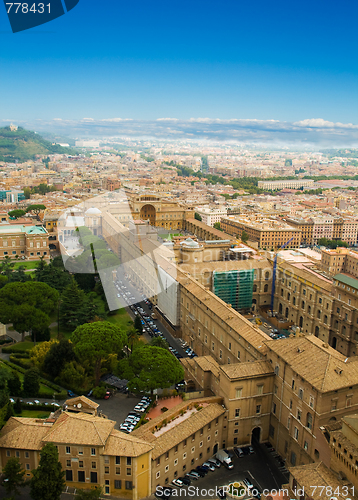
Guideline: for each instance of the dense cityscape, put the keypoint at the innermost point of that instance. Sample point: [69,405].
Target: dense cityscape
[172,308]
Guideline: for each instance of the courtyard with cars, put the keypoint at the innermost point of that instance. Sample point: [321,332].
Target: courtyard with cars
[255,472]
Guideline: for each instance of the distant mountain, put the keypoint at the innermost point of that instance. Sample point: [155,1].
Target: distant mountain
[22,145]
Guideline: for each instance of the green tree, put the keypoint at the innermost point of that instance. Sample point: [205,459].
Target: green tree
[159,342]
[94,342]
[13,476]
[53,275]
[59,354]
[73,375]
[35,209]
[14,384]
[198,216]
[92,494]
[217,225]
[138,324]
[31,384]
[18,406]
[27,305]
[15,214]
[27,193]
[244,237]
[48,481]
[76,307]
[150,368]
[132,337]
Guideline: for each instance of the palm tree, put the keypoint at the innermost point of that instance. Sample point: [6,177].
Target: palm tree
[133,337]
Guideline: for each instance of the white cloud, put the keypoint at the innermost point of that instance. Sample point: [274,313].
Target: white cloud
[321,123]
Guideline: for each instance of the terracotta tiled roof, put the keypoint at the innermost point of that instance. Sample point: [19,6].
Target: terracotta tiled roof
[23,433]
[80,429]
[120,444]
[249,369]
[322,366]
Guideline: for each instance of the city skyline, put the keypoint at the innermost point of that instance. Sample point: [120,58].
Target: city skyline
[284,63]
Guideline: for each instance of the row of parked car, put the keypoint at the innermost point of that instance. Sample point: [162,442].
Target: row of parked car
[134,416]
[35,402]
[240,452]
[200,471]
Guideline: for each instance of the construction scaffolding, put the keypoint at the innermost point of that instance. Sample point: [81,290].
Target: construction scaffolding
[234,287]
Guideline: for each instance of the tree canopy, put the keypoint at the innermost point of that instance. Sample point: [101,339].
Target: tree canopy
[15,214]
[27,305]
[150,368]
[48,481]
[13,475]
[76,307]
[94,342]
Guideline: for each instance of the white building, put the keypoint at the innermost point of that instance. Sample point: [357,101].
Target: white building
[211,215]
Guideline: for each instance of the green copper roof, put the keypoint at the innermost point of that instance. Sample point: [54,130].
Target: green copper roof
[347,280]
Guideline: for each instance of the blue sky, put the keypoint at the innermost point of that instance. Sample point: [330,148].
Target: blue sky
[282,60]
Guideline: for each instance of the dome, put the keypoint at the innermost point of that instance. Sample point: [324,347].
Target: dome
[191,243]
[93,211]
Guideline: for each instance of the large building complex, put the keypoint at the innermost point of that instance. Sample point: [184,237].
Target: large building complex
[30,242]
[267,233]
[285,183]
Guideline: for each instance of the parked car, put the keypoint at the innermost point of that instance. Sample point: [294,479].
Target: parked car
[71,394]
[178,482]
[193,474]
[186,480]
[238,452]
[209,465]
[108,395]
[247,482]
[215,462]
[251,450]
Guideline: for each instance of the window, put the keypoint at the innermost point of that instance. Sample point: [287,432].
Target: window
[271,431]
[275,389]
[157,476]
[300,393]
[299,414]
[277,369]
[80,451]
[94,465]
[129,461]
[117,484]
[238,393]
[129,471]
[166,468]
[305,446]
[69,476]
[295,433]
[94,477]
[200,444]
[213,346]
[184,456]
[176,461]
[274,408]
[80,464]
[258,408]
[81,476]
[129,485]
[229,346]
[291,404]
[193,449]
[17,454]
[118,460]
[93,451]
[118,471]
[293,458]
[238,354]
[309,421]
[288,423]
[68,450]
[260,389]
[106,469]
[27,466]
[237,412]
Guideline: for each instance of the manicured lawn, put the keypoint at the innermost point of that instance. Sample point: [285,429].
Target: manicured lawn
[45,391]
[171,235]
[23,346]
[32,264]
[33,414]
[121,318]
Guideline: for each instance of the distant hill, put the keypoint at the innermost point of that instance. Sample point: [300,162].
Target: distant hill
[22,145]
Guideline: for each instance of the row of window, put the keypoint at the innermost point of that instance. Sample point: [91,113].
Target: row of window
[81,478]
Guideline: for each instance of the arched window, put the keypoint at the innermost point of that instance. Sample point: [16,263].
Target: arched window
[288,296]
[309,421]
[255,288]
[325,319]
[267,275]
[343,330]
[294,301]
[301,322]
[280,308]
[309,309]
[316,331]
[303,304]
[266,288]
[318,313]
